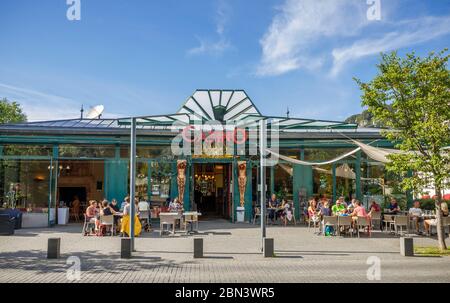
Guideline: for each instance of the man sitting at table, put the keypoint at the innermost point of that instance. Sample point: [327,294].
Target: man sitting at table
[114,206]
[338,209]
[393,207]
[415,214]
[342,200]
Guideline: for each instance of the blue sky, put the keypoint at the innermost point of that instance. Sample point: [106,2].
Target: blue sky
[147,56]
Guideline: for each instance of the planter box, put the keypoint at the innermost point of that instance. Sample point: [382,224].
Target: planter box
[33,220]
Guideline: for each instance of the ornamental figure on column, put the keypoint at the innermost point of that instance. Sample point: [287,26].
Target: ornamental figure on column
[242,181]
[181,179]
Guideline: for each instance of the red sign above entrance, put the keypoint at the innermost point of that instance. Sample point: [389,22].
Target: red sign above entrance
[238,136]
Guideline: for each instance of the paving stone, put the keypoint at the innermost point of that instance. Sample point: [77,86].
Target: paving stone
[232,254]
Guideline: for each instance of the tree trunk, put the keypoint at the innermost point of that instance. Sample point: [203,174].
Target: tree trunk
[439,218]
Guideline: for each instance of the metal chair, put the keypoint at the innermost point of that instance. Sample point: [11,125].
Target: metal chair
[329,221]
[445,223]
[401,221]
[315,221]
[345,222]
[375,218]
[363,222]
[107,221]
[388,221]
[145,219]
[167,219]
[293,218]
[191,219]
[88,226]
[257,214]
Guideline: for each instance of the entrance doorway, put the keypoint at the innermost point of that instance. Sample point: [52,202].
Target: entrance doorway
[212,195]
[68,194]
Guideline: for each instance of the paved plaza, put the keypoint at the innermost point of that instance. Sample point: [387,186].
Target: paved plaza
[231,255]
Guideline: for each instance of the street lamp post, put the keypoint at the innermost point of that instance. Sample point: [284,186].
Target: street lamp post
[132,179]
[262,178]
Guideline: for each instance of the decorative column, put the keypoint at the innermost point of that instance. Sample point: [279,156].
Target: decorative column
[242,182]
[181,179]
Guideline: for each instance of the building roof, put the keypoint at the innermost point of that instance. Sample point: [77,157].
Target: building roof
[227,106]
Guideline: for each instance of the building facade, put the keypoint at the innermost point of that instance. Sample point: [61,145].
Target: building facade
[45,163]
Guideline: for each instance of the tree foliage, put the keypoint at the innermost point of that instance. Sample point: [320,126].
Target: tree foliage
[411,96]
[11,112]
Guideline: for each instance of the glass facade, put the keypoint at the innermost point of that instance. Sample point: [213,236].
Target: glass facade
[34,177]
[25,184]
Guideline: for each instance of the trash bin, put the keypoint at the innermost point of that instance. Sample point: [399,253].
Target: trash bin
[240,214]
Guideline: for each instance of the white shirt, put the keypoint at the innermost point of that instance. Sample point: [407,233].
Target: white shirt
[415,211]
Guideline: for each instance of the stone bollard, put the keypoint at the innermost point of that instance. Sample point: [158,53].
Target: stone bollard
[198,248]
[406,247]
[125,248]
[269,250]
[53,248]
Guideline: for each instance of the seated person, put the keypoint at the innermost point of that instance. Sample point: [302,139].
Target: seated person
[358,211]
[374,207]
[312,212]
[114,205]
[106,209]
[125,225]
[92,211]
[272,205]
[143,206]
[415,213]
[433,222]
[281,210]
[393,207]
[124,203]
[342,200]
[351,206]
[175,206]
[325,209]
[338,209]
[287,213]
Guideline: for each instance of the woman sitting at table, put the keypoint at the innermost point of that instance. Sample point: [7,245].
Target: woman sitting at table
[91,211]
[359,211]
[374,207]
[175,206]
[433,222]
[125,228]
[312,212]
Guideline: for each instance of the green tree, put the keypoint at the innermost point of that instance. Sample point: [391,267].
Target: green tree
[411,97]
[11,112]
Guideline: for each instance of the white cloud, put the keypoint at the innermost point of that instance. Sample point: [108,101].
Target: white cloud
[221,44]
[210,47]
[39,105]
[301,24]
[412,32]
[307,34]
